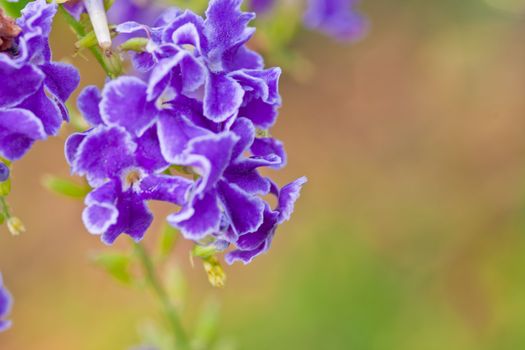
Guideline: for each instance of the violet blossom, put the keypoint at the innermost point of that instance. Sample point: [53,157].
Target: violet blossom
[34,88]
[6,302]
[200,109]
[336,18]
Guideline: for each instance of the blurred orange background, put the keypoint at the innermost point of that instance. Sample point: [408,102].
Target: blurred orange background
[409,234]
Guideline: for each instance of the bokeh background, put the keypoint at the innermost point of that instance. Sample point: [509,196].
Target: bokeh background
[409,235]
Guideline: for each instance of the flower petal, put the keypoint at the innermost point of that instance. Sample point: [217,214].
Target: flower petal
[254,239]
[19,128]
[104,153]
[267,146]
[246,256]
[199,219]
[148,154]
[18,83]
[244,211]
[226,28]
[287,198]
[175,133]
[61,79]
[124,104]
[210,155]
[222,97]
[45,110]
[166,188]
[88,103]
[134,218]
[99,217]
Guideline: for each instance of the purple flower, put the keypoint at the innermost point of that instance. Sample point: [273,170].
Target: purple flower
[225,202]
[335,18]
[34,88]
[258,241]
[143,11]
[6,302]
[197,112]
[124,167]
[261,6]
[207,60]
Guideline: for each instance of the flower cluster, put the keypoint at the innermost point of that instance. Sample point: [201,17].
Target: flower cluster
[335,18]
[6,302]
[122,10]
[34,88]
[194,133]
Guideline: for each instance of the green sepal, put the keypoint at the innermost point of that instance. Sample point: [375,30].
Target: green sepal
[134,44]
[203,252]
[117,264]
[87,41]
[65,187]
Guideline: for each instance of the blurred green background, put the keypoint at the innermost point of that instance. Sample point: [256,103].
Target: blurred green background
[409,234]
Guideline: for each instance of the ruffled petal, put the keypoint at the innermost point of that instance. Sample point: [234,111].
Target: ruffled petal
[261,113]
[6,303]
[175,133]
[245,130]
[18,83]
[173,189]
[104,153]
[88,103]
[192,34]
[245,256]
[19,129]
[134,218]
[254,239]
[124,103]
[222,97]
[210,155]
[72,144]
[226,28]
[44,109]
[287,198]
[61,79]
[148,154]
[244,211]
[200,218]
[268,146]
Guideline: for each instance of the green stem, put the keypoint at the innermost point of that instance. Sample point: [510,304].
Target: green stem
[4,207]
[78,28]
[155,284]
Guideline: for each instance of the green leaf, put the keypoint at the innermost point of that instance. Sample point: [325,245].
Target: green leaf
[207,326]
[176,285]
[117,264]
[167,240]
[152,334]
[5,187]
[65,187]
[13,8]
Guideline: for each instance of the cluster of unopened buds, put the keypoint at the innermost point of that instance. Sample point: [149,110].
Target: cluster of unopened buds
[188,125]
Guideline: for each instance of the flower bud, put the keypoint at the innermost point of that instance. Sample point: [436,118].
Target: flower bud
[4,172]
[97,15]
[15,226]
[216,274]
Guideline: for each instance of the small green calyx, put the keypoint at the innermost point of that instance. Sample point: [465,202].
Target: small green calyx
[134,44]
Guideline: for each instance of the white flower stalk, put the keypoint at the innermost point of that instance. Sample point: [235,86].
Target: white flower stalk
[97,14]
